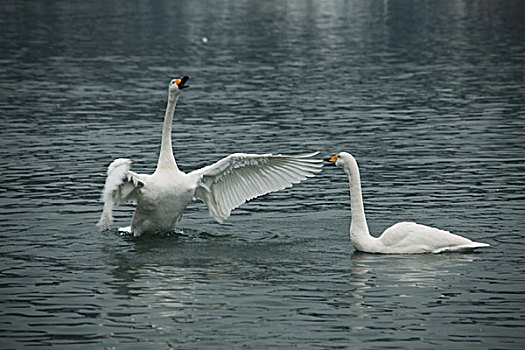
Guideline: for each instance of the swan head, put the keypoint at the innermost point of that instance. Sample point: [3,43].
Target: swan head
[177,85]
[343,160]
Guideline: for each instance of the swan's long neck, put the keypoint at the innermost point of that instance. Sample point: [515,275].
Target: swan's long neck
[359,234]
[166,158]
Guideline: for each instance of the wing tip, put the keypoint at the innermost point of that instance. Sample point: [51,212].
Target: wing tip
[309,155]
[219,218]
[105,220]
[299,156]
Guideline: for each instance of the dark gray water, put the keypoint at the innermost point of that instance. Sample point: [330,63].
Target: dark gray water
[428,95]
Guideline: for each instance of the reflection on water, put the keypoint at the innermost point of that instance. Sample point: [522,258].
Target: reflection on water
[428,96]
[373,275]
[427,288]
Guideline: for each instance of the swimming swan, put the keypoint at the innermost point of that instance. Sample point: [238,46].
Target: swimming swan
[161,197]
[401,238]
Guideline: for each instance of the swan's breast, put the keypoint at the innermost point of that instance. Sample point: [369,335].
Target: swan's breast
[167,188]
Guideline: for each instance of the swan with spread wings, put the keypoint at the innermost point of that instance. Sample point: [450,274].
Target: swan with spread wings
[161,197]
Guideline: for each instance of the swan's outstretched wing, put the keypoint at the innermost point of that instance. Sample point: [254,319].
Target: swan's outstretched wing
[122,186]
[240,177]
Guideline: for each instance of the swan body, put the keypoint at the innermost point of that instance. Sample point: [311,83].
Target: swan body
[161,197]
[401,238]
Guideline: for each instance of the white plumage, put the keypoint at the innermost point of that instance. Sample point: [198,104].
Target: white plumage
[162,196]
[401,238]
[240,177]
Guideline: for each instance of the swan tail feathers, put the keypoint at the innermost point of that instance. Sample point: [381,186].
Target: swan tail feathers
[461,248]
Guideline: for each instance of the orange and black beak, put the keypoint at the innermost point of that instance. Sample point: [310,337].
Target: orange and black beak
[180,82]
[331,161]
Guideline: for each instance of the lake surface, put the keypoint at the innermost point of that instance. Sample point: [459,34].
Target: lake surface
[429,96]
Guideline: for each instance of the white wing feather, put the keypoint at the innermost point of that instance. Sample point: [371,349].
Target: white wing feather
[122,186]
[240,177]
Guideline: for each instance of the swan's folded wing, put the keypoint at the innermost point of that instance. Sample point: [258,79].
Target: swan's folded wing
[240,177]
[428,239]
[122,186]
